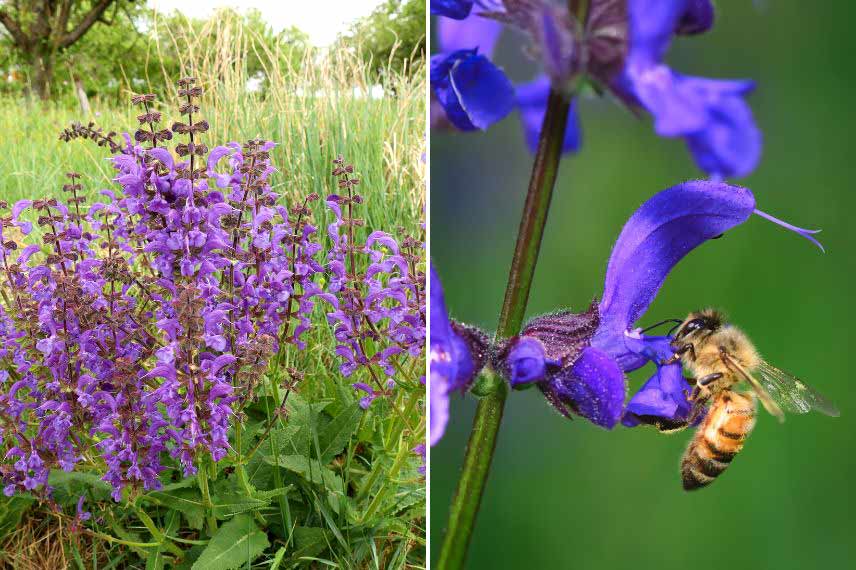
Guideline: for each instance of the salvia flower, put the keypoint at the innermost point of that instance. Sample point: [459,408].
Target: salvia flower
[579,360]
[377,292]
[140,326]
[456,357]
[619,47]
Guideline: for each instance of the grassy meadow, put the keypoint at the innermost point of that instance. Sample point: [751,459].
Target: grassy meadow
[313,114]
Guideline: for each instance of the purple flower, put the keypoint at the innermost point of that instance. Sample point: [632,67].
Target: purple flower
[625,50]
[421,450]
[579,360]
[454,360]
[458,9]
[369,397]
[473,92]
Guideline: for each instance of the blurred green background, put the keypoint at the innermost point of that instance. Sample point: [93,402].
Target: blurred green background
[570,495]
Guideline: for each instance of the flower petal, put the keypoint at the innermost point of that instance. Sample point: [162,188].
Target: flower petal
[697,18]
[594,387]
[473,32]
[658,235]
[457,9]
[526,361]
[473,91]
[664,395]
[730,143]
[452,365]
[652,24]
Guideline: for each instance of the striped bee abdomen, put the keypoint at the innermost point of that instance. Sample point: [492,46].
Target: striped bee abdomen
[718,439]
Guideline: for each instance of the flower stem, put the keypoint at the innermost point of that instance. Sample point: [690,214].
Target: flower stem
[494,390]
[208,506]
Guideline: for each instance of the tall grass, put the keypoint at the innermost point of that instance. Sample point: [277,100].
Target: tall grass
[314,112]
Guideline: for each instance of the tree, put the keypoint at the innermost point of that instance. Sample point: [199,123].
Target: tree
[40,30]
[389,39]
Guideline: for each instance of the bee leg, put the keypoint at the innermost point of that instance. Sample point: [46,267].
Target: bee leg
[697,409]
[705,380]
[678,353]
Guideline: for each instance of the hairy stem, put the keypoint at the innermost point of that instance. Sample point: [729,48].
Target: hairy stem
[465,504]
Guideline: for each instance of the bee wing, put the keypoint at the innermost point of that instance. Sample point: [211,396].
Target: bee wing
[792,393]
[767,400]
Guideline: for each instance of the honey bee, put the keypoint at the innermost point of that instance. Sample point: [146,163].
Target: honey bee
[720,356]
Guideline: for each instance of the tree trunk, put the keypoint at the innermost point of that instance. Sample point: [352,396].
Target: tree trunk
[43,73]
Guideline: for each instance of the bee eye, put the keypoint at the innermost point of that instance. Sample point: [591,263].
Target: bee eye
[692,326]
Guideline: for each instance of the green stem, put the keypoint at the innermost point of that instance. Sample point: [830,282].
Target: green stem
[157,534]
[202,477]
[534,217]
[494,390]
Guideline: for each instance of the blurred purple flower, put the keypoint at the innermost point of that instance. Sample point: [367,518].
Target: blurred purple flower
[454,362]
[473,92]
[457,9]
[626,47]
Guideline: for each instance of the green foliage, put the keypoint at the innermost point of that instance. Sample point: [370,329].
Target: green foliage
[137,48]
[391,37]
[326,481]
[11,511]
[237,543]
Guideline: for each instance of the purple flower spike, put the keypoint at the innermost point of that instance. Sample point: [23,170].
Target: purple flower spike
[594,387]
[658,235]
[457,9]
[473,91]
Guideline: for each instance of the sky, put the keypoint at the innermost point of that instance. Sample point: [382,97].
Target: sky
[321,19]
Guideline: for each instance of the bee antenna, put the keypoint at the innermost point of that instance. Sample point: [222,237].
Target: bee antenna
[671,330]
[663,323]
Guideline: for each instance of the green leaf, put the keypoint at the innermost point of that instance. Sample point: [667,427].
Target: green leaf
[310,470]
[238,542]
[268,495]
[310,541]
[335,435]
[11,510]
[277,560]
[303,416]
[234,503]
[187,501]
[70,485]
[157,560]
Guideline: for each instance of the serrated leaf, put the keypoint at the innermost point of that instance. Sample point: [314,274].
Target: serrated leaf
[268,495]
[311,470]
[282,439]
[336,434]
[187,501]
[238,542]
[233,504]
[303,416]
